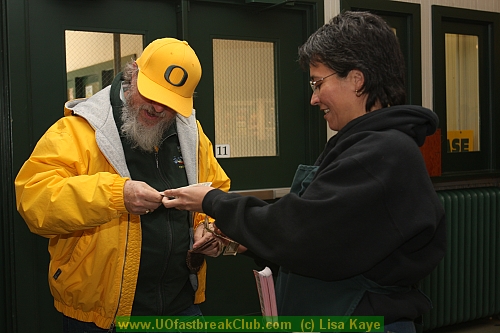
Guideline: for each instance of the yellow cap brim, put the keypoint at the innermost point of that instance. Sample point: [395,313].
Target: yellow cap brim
[157,93]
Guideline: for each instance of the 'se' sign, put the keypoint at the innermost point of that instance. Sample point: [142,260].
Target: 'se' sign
[168,72]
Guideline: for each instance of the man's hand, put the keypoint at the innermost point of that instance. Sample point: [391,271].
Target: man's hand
[202,237]
[217,231]
[140,198]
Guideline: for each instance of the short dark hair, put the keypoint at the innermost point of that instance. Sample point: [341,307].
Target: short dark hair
[362,41]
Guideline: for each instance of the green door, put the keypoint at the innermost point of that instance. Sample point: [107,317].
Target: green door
[253,98]
[277,117]
[38,92]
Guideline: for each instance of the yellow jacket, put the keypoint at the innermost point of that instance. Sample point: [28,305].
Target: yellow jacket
[70,190]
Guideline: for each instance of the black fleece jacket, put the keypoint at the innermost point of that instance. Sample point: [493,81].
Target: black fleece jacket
[371,209]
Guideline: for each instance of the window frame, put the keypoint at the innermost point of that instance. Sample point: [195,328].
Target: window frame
[486,26]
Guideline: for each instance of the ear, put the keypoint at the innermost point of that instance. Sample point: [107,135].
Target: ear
[358,79]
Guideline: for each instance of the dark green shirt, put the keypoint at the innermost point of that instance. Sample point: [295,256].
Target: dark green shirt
[163,286]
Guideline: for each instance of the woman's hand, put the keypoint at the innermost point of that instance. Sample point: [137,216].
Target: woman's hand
[186,198]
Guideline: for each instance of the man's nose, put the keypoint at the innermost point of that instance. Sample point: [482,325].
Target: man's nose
[158,107]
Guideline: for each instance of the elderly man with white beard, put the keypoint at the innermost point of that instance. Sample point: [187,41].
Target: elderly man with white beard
[93,186]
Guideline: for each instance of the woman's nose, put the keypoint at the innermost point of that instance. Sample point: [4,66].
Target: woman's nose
[314,99]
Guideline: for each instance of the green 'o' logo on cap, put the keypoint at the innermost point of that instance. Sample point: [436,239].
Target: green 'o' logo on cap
[168,72]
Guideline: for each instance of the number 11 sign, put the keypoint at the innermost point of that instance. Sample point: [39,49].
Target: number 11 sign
[222,151]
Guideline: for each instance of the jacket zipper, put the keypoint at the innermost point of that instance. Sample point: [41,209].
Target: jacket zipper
[160,293]
[123,276]
[157,149]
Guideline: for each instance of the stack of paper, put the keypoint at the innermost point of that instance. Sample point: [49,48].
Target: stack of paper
[267,296]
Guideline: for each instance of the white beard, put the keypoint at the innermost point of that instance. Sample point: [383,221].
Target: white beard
[143,137]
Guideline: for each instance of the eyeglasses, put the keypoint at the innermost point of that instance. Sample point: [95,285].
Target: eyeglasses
[314,85]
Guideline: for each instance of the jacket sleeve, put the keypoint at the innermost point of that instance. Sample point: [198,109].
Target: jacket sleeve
[56,190]
[362,208]
[209,169]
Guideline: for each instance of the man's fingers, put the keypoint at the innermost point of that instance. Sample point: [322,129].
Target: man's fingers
[140,198]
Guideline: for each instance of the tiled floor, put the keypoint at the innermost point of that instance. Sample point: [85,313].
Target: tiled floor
[488,325]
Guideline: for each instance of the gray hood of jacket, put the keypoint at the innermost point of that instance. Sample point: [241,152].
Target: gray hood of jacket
[97,110]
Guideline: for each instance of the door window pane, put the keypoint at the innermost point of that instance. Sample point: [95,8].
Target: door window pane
[94,58]
[462,93]
[244,98]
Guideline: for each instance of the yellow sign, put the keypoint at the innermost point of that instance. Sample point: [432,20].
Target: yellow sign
[460,141]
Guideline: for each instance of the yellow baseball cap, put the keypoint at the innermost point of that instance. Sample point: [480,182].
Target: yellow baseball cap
[169,72]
